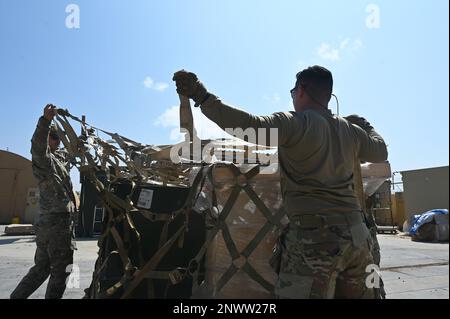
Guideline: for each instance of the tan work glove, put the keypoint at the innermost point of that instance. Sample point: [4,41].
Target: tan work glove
[188,85]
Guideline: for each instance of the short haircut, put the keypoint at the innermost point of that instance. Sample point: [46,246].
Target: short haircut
[317,82]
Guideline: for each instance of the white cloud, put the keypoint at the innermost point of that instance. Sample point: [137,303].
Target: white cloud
[158,86]
[351,46]
[274,98]
[328,52]
[206,129]
[170,117]
[148,82]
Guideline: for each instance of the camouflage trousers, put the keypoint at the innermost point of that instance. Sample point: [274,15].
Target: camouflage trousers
[54,253]
[325,262]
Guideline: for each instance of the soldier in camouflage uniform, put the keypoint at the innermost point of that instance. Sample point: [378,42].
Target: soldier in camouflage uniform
[54,227]
[324,251]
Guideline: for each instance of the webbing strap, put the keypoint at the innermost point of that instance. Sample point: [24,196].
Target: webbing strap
[96,276]
[151,264]
[164,234]
[231,246]
[153,217]
[120,247]
[259,204]
[72,136]
[63,138]
[257,277]
[253,244]
[227,275]
[186,118]
[222,216]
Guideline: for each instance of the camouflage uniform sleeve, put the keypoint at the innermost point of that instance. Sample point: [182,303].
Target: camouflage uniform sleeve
[227,117]
[371,145]
[40,152]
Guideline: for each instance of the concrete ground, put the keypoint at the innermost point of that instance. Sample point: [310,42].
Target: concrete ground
[410,270]
[414,270]
[16,257]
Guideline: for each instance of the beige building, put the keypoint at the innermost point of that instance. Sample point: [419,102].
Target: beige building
[18,189]
[425,189]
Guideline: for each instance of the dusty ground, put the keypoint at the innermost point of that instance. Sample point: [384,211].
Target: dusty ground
[411,270]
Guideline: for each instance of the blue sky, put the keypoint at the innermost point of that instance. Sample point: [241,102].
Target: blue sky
[117,67]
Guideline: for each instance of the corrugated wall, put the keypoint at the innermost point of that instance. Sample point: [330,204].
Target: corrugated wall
[425,189]
[17,181]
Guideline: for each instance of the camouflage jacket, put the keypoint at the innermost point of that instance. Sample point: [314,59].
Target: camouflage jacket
[52,173]
[316,154]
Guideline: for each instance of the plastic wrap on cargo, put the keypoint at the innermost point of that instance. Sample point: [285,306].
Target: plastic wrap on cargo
[374,175]
[372,184]
[244,222]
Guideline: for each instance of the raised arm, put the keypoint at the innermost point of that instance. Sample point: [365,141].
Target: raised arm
[371,145]
[40,151]
[231,118]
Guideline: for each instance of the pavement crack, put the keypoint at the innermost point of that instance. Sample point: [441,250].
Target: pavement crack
[414,266]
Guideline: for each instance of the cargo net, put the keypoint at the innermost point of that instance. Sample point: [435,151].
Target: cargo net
[160,236]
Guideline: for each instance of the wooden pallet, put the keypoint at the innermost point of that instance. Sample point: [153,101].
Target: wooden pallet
[387,229]
[19,230]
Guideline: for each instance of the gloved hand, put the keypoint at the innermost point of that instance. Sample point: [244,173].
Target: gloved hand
[360,121]
[188,85]
[49,112]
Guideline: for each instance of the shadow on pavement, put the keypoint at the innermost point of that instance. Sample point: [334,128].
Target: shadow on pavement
[10,240]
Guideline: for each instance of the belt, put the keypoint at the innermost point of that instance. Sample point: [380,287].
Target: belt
[316,221]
